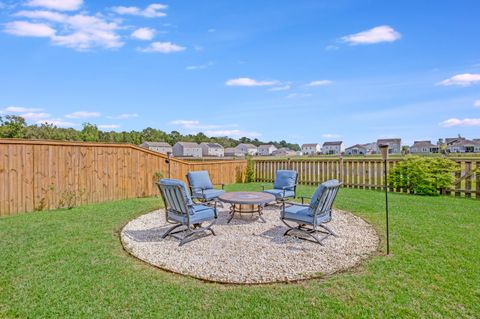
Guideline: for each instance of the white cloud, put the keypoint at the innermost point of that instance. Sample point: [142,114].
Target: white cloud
[194,124]
[460,122]
[162,47]
[249,82]
[80,32]
[143,34]
[108,126]
[62,5]
[199,66]
[152,11]
[319,83]
[331,47]
[378,34]
[465,79]
[28,29]
[19,109]
[298,95]
[123,116]
[43,15]
[82,115]
[280,88]
[476,103]
[329,135]
[34,116]
[57,122]
[232,133]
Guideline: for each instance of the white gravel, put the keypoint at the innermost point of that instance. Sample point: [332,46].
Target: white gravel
[249,251]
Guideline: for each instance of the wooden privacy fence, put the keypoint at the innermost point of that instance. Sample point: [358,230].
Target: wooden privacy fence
[41,175]
[361,173]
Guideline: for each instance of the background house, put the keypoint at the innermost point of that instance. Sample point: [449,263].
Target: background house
[424,147]
[284,151]
[212,149]
[462,145]
[394,144]
[357,149]
[265,150]
[187,149]
[247,149]
[311,149]
[160,147]
[232,152]
[333,148]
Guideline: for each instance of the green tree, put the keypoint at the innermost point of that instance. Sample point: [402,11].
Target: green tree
[12,127]
[90,133]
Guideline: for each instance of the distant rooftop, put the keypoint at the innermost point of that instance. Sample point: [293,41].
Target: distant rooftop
[155,144]
[334,143]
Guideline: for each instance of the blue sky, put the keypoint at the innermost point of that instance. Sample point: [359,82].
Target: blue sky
[303,71]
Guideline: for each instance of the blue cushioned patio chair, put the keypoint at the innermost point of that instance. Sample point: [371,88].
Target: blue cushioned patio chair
[201,187]
[309,218]
[180,210]
[285,185]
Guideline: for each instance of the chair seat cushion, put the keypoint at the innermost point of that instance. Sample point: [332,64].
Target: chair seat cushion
[208,194]
[302,214]
[200,214]
[278,193]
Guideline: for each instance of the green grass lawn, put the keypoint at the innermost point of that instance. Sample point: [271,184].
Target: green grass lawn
[70,263]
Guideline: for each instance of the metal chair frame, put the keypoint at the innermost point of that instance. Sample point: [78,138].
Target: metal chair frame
[191,229]
[282,201]
[202,189]
[324,207]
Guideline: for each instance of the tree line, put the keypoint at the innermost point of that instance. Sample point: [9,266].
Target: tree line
[12,126]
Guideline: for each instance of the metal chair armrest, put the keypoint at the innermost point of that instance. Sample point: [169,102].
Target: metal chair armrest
[303,199]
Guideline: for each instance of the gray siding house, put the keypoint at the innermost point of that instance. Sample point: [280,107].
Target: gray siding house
[333,148]
[266,150]
[462,145]
[187,149]
[284,151]
[212,149]
[247,149]
[160,147]
[394,144]
[232,151]
[357,149]
[311,148]
[423,147]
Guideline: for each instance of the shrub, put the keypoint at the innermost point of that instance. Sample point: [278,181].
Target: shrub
[423,175]
[250,172]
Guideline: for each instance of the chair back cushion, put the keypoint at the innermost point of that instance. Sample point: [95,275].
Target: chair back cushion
[176,196]
[285,178]
[322,200]
[199,180]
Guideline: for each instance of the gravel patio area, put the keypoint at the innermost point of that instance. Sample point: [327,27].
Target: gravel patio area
[249,251]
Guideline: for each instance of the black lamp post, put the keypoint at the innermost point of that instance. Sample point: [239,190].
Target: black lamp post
[167,161]
[384,151]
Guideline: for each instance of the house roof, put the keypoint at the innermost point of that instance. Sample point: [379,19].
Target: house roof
[450,140]
[357,146]
[465,142]
[310,145]
[389,140]
[266,146]
[423,144]
[189,144]
[333,143]
[155,144]
[247,145]
[212,145]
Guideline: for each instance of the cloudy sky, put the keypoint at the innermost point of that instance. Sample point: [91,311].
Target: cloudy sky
[304,71]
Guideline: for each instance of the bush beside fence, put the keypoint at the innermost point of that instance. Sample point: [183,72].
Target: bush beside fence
[362,173]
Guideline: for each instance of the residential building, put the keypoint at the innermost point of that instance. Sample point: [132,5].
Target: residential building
[160,147]
[266,150]
[212,149]
[333,148]
[424,147]
[232,152]
[284,151]
[394,144]
[357,149]
[247,149]
[311,149]
[462,145]
[187,149]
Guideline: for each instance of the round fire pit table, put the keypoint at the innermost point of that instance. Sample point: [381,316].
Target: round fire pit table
[246,202]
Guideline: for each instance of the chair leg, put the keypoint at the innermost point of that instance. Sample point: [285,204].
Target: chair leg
[311,232]
[195,230]
[169,231]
